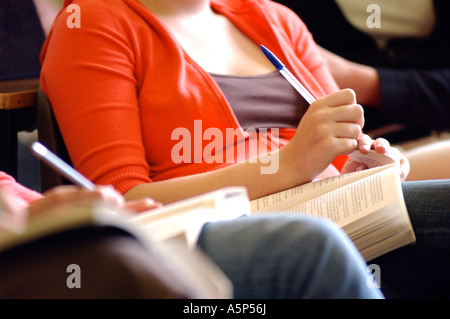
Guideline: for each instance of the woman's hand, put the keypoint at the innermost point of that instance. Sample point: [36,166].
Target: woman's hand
[142,204]
[14,211]
[13,215]
[332,126]
[381,146]
[71,194]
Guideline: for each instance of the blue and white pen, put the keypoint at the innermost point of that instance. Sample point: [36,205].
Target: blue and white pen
[288,75]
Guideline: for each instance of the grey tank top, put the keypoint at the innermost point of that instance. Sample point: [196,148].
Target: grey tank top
[262,101]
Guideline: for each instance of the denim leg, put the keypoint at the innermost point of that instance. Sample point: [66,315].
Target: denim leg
[421,270]
[281,256]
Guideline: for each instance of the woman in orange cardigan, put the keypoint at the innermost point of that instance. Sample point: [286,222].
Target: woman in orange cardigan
[137,86]
[128,79]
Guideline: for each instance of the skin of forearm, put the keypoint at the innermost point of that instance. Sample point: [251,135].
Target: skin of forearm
[242,174]
[364,80]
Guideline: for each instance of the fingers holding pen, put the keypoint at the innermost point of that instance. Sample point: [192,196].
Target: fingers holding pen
[365,143]
[341,97]
[343,116]
[342,107]
[332,126]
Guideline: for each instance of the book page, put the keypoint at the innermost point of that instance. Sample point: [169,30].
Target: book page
[368,205]
[353,201]
[289,198]
[347,203]
[184,220]
[372,159]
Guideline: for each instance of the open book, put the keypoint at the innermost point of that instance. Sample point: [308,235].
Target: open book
[183,220]
[368,205]
[167,232]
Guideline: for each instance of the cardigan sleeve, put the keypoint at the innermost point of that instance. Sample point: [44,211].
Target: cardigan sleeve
[316,64]
[307,51]
[417,97]
[89,76]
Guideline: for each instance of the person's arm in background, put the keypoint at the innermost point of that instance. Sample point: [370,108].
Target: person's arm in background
[420,97]
[411,95]
[363,79]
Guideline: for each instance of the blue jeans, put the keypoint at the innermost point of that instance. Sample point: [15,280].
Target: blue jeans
[421,270]
[281,256]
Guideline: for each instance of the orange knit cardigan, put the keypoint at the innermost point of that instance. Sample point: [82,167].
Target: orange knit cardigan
[120,85]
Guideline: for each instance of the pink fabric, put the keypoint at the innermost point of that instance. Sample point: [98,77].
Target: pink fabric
[10,185]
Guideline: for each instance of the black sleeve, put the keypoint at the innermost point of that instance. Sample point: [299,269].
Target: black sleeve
[417,97]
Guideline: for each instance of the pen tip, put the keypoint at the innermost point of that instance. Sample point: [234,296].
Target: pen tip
[272,58]
[39,148]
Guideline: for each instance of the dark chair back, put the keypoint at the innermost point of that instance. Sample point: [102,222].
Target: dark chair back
[50,135]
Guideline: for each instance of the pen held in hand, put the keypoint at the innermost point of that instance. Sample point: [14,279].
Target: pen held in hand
[288,75]
[60,166]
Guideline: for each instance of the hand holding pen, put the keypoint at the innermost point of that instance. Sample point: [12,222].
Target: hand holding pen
[88,188]
[331,126]
[334,123]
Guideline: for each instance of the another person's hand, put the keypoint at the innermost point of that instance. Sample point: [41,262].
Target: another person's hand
[381,146]
[15,211]
[141,205]
[13,215]
[71,194]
